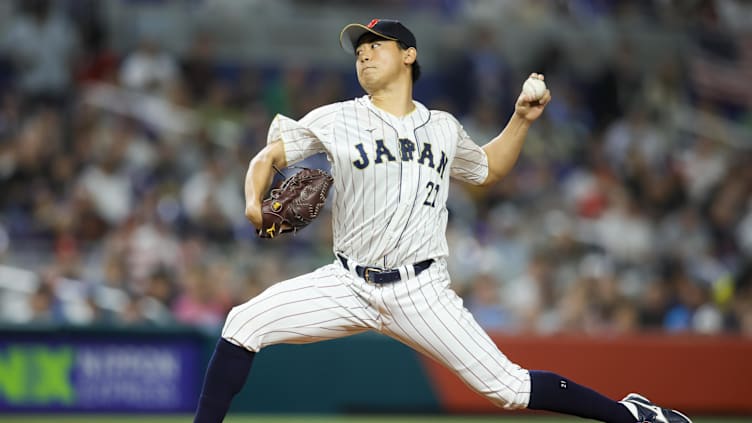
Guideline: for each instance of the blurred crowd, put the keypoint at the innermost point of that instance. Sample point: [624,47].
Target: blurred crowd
[630,209]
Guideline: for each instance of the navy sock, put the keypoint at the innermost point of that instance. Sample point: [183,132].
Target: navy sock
[551,392]
[225,376]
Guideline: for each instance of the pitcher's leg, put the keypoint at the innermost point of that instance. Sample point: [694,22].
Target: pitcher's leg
[309,308]
[225,376]
[430,318]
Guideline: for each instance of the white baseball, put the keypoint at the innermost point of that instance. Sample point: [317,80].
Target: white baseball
[534,88]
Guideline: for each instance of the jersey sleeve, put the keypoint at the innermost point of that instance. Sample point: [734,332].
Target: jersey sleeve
[470,162]
[303,138]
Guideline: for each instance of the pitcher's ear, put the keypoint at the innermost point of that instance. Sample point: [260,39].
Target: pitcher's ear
[410,55]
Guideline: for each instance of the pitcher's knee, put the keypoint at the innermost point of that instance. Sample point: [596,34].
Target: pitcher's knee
[238,327]
[511,392]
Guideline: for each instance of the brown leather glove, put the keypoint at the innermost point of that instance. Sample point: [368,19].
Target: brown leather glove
[295,203]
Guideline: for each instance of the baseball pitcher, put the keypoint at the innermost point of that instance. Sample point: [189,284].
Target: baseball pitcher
[391,163]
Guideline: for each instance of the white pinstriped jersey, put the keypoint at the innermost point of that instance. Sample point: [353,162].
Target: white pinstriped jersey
[391,175]
[389,210]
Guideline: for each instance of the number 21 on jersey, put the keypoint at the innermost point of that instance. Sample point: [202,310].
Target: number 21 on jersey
[431,194]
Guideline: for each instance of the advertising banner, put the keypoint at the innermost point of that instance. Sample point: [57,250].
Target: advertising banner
[75,373]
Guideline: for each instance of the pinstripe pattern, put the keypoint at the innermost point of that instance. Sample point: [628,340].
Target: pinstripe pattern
[422,312]
[379,218]
[301,310]
[391,180]
[430,318]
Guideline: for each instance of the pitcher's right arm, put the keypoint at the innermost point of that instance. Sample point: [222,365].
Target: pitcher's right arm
[259,177]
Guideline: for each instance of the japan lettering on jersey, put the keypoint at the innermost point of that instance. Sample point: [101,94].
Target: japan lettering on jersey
[391,175]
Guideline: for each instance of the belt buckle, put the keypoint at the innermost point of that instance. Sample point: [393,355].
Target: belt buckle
[367,271]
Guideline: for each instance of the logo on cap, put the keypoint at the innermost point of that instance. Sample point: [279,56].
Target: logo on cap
[372,23]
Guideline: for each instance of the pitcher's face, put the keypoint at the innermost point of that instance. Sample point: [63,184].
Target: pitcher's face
[379,62]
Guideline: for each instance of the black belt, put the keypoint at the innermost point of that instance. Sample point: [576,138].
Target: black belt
[379,276]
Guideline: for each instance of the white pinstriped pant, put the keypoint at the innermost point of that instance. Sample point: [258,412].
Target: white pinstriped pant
[422,312]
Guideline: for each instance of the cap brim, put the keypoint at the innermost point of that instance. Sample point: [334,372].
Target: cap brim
[350,35]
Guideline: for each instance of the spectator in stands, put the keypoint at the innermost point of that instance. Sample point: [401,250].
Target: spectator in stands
[482,299]
[43,45]
[702,164]
[197,66]
[480,73]
[161,287]
[531,295]
[690,296]
[44,307]
[220,118]
[133,312]
[107,185]
[212,199]
[201,302]
[624,231]
[653,305]
[149,68]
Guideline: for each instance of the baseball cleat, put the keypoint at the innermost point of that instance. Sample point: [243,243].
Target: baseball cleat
[647,412]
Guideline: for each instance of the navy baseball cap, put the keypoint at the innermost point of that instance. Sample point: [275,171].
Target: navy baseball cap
[386,28]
